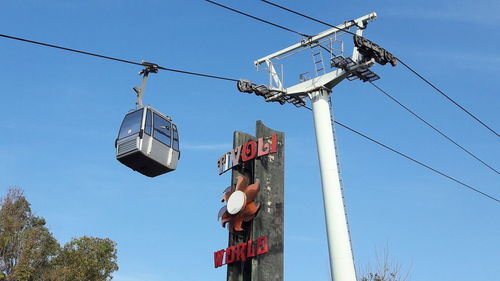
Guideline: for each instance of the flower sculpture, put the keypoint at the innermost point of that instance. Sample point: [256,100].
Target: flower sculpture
[240,205]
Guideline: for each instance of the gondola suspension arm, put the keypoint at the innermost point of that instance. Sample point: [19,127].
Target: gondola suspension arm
[149,67]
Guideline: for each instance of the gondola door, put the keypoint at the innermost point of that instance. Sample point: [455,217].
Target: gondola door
[163,141]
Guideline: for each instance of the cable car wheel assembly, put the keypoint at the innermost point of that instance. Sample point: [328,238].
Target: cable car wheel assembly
[148,140]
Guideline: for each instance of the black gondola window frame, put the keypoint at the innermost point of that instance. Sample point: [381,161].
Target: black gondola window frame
[175,144]
[148,128]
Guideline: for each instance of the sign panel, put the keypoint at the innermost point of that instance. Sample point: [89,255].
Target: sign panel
[253,210]
[246,152]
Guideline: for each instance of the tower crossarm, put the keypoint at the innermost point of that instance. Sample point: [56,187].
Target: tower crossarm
[275,82]
[328,80]
[362,21]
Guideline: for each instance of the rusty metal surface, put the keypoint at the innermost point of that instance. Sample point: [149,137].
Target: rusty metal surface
[270,220]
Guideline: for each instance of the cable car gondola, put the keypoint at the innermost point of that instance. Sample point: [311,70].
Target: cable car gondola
[148,141]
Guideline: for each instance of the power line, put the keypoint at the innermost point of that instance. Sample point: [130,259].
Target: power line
[414,160]
[68,49]
[357,132]
[198,74]
[432,127]
[392,98]
[360,134]
[113,58]
[403,63]
[447,97]
[259,19]
[418,162]
[306,16]
[235,80]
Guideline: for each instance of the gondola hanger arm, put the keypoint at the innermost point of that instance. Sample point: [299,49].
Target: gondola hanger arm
[149,67]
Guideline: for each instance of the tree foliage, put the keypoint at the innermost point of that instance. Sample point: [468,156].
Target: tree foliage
[85,258]
[29,252]
[26,245]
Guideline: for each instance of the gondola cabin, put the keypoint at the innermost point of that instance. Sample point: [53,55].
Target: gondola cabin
[148,142]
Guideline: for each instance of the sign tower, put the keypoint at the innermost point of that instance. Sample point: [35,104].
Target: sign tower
[254,206]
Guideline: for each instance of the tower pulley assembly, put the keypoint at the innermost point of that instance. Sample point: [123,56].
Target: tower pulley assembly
[371,50]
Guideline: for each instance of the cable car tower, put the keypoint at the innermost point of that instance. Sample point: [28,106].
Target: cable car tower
[318,89]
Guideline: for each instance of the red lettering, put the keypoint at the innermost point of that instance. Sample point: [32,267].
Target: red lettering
[218,257]
[249,151]
[262,245]
[262,148]
[242,252]
[250,249]
[266,148]
[230,254]
[273,143]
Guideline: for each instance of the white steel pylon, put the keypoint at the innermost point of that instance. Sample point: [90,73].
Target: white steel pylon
[319,89]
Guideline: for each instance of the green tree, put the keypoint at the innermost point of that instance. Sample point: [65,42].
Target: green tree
[85,259]
[29,252]
[26,245]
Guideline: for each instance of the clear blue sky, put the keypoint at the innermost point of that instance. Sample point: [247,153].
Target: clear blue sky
[61,113]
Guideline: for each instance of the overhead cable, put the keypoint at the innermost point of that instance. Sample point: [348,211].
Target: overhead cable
[257,18]
[447,97]
[307,17]
[434,128]
[113,58]
[371,139]
[403,63]
[418,162]
[413,160]
[235,80]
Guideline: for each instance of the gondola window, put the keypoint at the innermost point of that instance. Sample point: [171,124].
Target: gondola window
[147,127]
[162,130]
[176,139]
[131,124]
